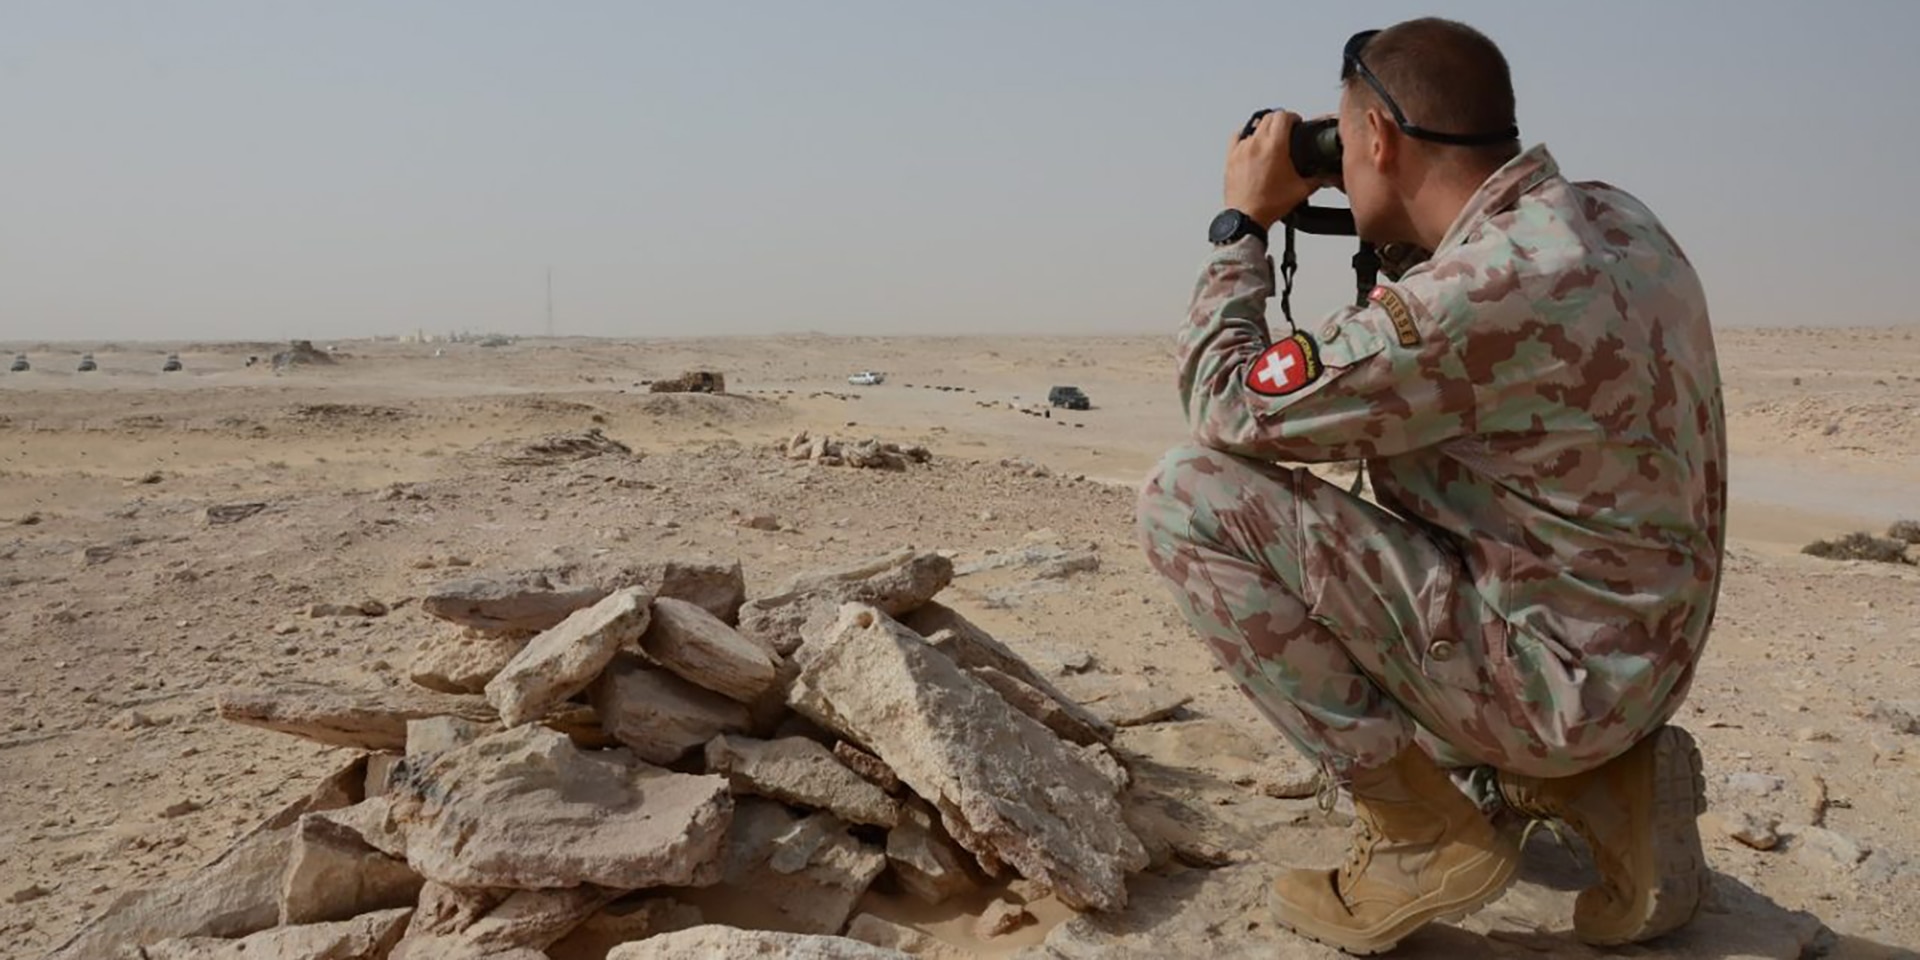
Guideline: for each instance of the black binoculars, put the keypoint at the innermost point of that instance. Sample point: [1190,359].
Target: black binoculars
[1314,146]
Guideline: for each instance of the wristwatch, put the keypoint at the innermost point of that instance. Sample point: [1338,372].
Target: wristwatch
[1230,225]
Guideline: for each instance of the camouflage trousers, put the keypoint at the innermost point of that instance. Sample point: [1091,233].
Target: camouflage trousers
[1351,629]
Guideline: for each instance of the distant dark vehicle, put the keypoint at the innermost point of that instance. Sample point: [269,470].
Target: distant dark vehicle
[20,364]
[86,363]
[172,365]
[1069,397]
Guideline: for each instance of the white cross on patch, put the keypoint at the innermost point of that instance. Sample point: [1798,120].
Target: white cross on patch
[1274,372]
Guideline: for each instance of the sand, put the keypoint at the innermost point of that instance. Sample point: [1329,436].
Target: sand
[125,608]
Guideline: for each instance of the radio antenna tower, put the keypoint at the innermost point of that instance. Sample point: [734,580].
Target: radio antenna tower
[549,302]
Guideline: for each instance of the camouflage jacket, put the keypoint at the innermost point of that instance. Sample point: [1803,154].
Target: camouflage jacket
[1542,395]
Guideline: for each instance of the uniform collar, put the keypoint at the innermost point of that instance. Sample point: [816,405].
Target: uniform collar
[1502,190]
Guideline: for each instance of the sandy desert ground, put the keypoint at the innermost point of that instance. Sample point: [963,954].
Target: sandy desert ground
[125,610]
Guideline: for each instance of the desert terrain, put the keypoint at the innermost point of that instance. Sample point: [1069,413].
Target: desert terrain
[401,465]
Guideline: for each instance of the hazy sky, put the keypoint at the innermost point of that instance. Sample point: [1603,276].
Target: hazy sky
[252,169]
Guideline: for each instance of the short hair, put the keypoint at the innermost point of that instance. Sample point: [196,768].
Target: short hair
[1446,76]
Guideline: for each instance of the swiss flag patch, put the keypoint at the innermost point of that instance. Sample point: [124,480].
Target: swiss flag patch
[1285,367]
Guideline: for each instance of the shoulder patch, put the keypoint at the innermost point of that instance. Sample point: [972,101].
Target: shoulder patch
[1399,313]
[1285,367]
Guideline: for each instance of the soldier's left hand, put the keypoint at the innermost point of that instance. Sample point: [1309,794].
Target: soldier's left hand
[1261,180]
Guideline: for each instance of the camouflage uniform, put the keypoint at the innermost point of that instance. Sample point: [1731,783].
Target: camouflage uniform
[1538,407]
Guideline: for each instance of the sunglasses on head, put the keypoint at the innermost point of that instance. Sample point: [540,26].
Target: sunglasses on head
[1351,64]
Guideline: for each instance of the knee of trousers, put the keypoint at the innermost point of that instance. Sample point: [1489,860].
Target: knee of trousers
[1193,489]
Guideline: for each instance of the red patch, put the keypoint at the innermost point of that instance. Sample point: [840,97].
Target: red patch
[1285,367]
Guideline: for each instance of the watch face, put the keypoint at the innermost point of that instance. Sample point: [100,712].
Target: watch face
[1223,226]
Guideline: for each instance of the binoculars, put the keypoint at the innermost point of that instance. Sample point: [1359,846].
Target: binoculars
[1314,146]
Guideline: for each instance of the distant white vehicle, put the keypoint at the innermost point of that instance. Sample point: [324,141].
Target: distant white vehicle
[867,378]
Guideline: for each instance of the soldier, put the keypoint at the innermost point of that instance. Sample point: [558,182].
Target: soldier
[1538,408]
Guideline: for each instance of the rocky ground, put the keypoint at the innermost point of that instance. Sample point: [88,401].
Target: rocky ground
[167,541]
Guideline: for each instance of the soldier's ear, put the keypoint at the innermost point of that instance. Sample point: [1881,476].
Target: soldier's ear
[1383,141]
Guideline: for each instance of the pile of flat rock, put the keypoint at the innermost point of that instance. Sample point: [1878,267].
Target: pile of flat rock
[638,762]
[870,453]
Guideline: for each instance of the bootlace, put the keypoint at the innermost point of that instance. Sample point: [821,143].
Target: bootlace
[1365,838]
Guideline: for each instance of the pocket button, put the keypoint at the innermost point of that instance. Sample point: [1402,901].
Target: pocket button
[1330,332]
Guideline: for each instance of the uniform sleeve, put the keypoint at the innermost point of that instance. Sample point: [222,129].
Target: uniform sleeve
[1368,382]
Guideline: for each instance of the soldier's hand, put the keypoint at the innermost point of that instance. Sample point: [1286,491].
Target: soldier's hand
[1261,181]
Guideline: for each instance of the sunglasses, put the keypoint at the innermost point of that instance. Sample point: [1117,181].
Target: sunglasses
[1351,64]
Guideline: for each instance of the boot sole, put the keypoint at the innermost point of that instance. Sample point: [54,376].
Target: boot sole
[1387,934]
[1679,878]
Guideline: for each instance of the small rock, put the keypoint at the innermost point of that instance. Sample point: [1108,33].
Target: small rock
[1903,717]
[1818,846]
[232,512]
[928,864]
[1884,867]
[28,894]
[133,720]
[1758,784]
[1748,829]
[285,628]
[760,521]
[1000,918]
[872,768]
[181,809]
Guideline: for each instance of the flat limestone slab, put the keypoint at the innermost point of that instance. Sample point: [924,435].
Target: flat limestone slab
[1007,788]
[520,602]
[895,582]
[365,937]
[561,662]
[334,874]
[966,644]
[463,662]
[712,941]
[658,715]
[799,771]
[363,719]
[526,809]
[455,922]
[699,648]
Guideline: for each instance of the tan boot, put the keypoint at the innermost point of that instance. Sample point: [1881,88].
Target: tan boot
[1637,812]
[1421,851]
